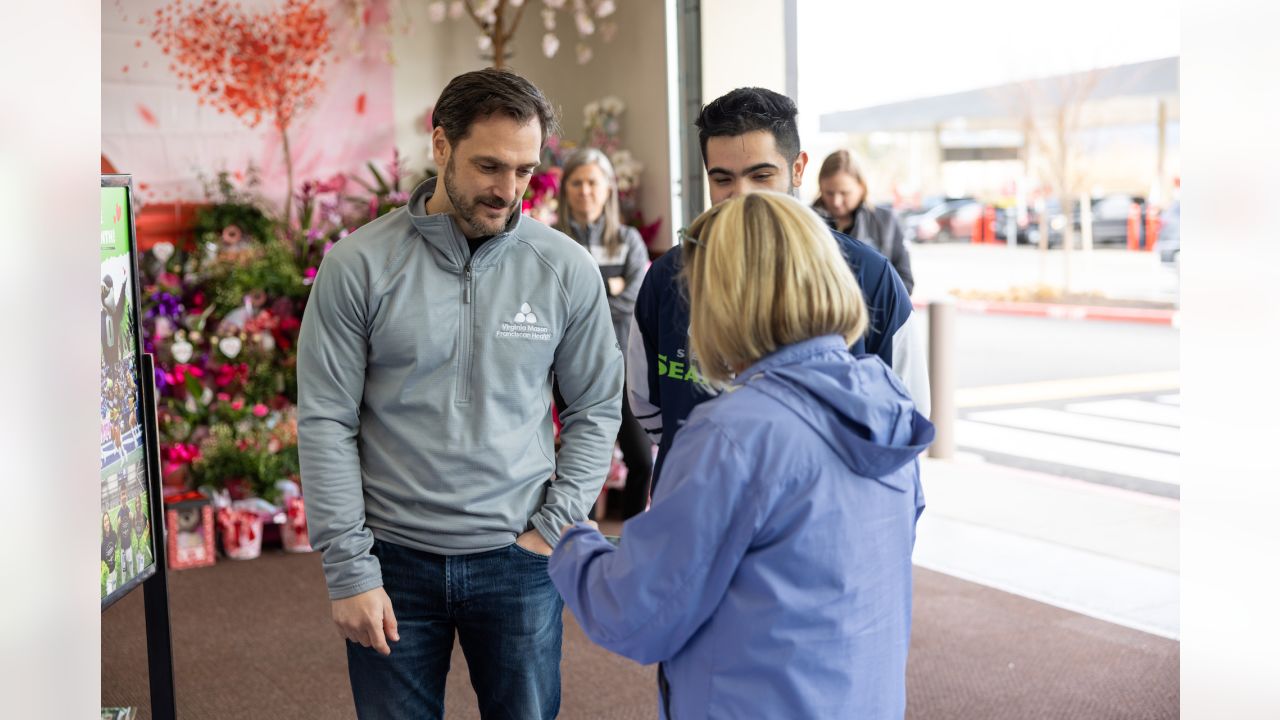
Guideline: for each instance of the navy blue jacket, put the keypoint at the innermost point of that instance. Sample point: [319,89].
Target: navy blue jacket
[663,383]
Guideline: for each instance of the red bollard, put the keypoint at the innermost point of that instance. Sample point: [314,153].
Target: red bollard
[1153,227]
[1132,227]
[975,234]
[989,223]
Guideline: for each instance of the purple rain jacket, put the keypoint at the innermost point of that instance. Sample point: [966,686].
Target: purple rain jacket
[772,575]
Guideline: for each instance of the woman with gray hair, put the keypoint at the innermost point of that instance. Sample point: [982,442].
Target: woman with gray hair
[590,213]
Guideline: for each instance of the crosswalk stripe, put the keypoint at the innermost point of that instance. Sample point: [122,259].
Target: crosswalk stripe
[1144,464]
[1124,432]
[1066,389]
[1130,409]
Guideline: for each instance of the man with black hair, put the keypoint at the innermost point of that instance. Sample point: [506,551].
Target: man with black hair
[425,360]
[750,143]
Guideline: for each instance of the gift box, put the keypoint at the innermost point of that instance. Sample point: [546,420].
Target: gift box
[241,532]
[189,530]
[293,533]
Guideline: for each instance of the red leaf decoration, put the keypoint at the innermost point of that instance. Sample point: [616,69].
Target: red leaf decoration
[147,116]
[360,101]
[252,65]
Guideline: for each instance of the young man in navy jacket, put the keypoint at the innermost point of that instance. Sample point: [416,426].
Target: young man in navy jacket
[750,142]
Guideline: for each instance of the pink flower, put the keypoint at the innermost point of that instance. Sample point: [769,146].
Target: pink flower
[260,410]
[237,405]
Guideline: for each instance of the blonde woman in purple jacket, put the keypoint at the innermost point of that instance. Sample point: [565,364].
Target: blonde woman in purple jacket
[771,577]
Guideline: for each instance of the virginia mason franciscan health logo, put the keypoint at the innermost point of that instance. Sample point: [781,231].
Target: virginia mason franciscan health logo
[524,325]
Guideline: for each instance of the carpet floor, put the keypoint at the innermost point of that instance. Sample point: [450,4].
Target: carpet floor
[253,639]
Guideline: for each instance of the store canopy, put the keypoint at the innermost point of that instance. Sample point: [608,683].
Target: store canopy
[1153,78]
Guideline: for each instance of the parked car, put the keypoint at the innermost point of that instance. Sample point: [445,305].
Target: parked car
[1168,244]
[952,220]
[910,218]
[1110,220]
[1021,220]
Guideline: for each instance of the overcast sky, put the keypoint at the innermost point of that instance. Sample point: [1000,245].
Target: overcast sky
[856,54]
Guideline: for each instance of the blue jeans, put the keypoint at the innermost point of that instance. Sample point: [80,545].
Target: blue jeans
[507,616]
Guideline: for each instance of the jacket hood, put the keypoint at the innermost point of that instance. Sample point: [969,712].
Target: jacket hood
[442,232]
[857,405]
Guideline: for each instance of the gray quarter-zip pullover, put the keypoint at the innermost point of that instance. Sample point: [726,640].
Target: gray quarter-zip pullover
[424,390]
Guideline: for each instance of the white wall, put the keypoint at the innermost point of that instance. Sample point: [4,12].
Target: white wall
[743,44]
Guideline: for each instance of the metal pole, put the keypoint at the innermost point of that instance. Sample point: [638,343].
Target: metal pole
[155,590]
[942,377]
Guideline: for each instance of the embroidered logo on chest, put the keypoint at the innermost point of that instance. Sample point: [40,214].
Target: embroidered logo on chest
[524,325]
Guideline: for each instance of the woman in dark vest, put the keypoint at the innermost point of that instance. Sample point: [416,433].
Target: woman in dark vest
[589,213]
[842,203]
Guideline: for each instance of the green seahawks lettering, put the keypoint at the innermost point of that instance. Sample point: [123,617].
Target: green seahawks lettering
[677,370]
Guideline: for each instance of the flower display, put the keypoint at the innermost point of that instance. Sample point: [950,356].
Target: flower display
[221,314]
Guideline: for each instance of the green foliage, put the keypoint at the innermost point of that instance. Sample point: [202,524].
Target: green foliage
[271,270]
[230,207]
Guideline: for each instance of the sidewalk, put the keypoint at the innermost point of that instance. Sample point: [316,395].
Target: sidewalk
[1114,273]
[1099,551]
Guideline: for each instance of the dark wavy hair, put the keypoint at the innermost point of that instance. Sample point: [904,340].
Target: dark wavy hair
[482,93]
[749,109]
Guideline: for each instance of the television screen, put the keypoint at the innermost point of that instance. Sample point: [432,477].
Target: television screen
[128,549]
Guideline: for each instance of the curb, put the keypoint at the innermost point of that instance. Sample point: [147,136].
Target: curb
[1064,312]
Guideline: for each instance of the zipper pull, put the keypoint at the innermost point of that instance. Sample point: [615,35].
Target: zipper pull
[466,288]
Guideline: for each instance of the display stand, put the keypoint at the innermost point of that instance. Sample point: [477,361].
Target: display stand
[130,444]
[155,589]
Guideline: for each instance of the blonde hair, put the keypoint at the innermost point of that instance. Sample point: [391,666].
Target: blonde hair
[841,161]
[762,271]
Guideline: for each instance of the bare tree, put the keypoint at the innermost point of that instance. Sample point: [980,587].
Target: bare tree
[1052,111]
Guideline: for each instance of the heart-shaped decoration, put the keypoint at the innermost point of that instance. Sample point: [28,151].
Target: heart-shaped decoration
[182,351]
[230,346]
[163,251]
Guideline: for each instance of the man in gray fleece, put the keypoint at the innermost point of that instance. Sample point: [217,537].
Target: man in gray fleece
[425,367]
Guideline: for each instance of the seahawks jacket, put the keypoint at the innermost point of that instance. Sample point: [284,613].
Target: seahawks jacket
[663,381]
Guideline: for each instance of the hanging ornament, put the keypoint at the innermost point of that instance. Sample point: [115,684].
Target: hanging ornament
[584,53]
[436,11]
[182,351]
[230,346]
[456,9]
[586,25]
[550,44]
[163,251]
[548,19]
[605,8]
[485,43]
